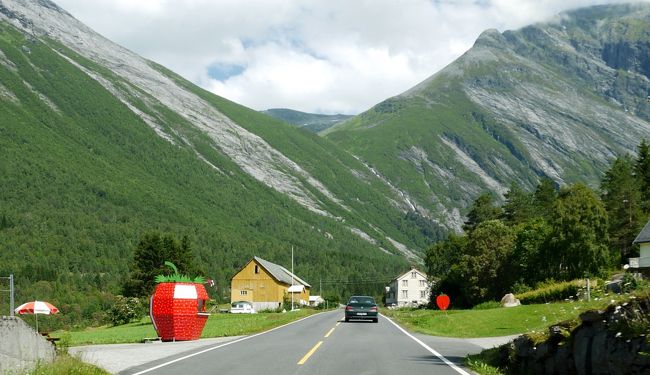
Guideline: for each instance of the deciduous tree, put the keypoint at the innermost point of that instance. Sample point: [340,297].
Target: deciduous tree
[579,238]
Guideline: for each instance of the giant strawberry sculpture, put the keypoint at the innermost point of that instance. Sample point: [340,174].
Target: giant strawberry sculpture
[177,306]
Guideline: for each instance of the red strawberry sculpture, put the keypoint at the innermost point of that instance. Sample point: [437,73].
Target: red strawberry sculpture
[178,307]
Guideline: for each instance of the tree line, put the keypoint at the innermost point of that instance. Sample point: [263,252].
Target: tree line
[551,233]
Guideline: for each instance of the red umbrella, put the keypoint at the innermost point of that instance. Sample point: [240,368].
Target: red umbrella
[36,307]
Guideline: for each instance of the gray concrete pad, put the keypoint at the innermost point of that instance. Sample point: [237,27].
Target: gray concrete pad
[116,358]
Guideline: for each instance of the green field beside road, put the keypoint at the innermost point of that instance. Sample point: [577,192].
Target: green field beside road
[491,322]
[218,325]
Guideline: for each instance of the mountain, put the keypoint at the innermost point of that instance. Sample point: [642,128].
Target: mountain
[310,121]
[100,145]
[557,99]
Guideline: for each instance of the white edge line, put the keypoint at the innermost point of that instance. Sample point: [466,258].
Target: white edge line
[220,346]
[445,360]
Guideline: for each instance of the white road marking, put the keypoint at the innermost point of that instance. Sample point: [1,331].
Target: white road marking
[432,351]
[330,332]
[219,346]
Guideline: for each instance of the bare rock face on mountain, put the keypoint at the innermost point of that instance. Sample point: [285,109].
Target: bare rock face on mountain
[557,99]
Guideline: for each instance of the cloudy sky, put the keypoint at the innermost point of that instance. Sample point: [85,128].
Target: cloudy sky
[324,56]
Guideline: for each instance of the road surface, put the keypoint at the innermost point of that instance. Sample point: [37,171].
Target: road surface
[321,344]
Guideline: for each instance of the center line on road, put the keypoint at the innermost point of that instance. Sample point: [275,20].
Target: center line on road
[330,332]
[306,357]
[337,324]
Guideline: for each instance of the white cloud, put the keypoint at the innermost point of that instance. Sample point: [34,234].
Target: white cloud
[327,56]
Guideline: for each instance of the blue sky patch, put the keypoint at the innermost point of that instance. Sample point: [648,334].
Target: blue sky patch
[222,72]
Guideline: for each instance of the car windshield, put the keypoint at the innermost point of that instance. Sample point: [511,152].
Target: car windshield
[361,301]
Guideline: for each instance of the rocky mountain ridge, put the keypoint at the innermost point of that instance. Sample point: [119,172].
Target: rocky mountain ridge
[557,99]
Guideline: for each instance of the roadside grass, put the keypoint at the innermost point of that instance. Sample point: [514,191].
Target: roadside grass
[491,322]
[481,363]
[67,365]
[218,325]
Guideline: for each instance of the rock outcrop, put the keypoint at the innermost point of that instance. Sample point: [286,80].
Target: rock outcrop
[610,342]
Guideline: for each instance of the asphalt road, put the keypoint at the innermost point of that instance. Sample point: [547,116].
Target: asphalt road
[321,344]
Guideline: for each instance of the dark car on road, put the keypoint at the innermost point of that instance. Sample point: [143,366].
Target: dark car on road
[361,307]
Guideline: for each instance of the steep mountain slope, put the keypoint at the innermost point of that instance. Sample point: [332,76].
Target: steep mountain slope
[558,99]
[100,145]
[310,121]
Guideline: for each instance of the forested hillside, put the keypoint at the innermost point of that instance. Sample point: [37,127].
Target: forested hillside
[536,238]
[84,176]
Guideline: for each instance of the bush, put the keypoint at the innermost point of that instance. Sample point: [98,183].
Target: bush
[487,305]
[124,310]
[551,291]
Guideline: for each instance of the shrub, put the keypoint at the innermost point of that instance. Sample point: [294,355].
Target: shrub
[124,310]
[551,291]
[487,305]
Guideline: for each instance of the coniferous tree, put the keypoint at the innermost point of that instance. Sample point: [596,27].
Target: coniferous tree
[482,210]
[148,261]
[621,196]
[642,170]
[518,206]
[544,197]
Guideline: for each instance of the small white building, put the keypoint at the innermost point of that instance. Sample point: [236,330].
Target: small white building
[642,263]
[409,289]
[315,301]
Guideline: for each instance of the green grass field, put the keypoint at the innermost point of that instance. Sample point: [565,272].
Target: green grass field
[492,322]
[218,325]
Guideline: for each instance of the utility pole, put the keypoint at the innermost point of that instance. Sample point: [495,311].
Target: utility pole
[291,278]
[11,293]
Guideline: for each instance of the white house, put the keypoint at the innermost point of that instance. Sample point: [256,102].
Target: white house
[409,289]
[642,263]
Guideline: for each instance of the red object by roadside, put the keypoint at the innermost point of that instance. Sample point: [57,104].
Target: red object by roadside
[443,301]
[178,311]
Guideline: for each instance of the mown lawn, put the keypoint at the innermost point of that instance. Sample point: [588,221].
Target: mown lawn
[218,325]
[491,322]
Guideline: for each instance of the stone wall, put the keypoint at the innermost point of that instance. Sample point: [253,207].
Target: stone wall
[21,347]
[602,343]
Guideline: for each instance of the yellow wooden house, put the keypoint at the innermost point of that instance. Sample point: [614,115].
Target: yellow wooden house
[265,284]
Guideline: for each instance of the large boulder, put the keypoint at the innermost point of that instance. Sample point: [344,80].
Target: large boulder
[509,300]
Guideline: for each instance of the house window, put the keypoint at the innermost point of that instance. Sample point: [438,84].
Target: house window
[405,283]
[423,294]
[243,292]
[405,294]
[423,283]
[414,275]
[257,269]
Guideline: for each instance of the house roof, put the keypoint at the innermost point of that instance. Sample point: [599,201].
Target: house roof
[409,272]
[280,273]
[644,236]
